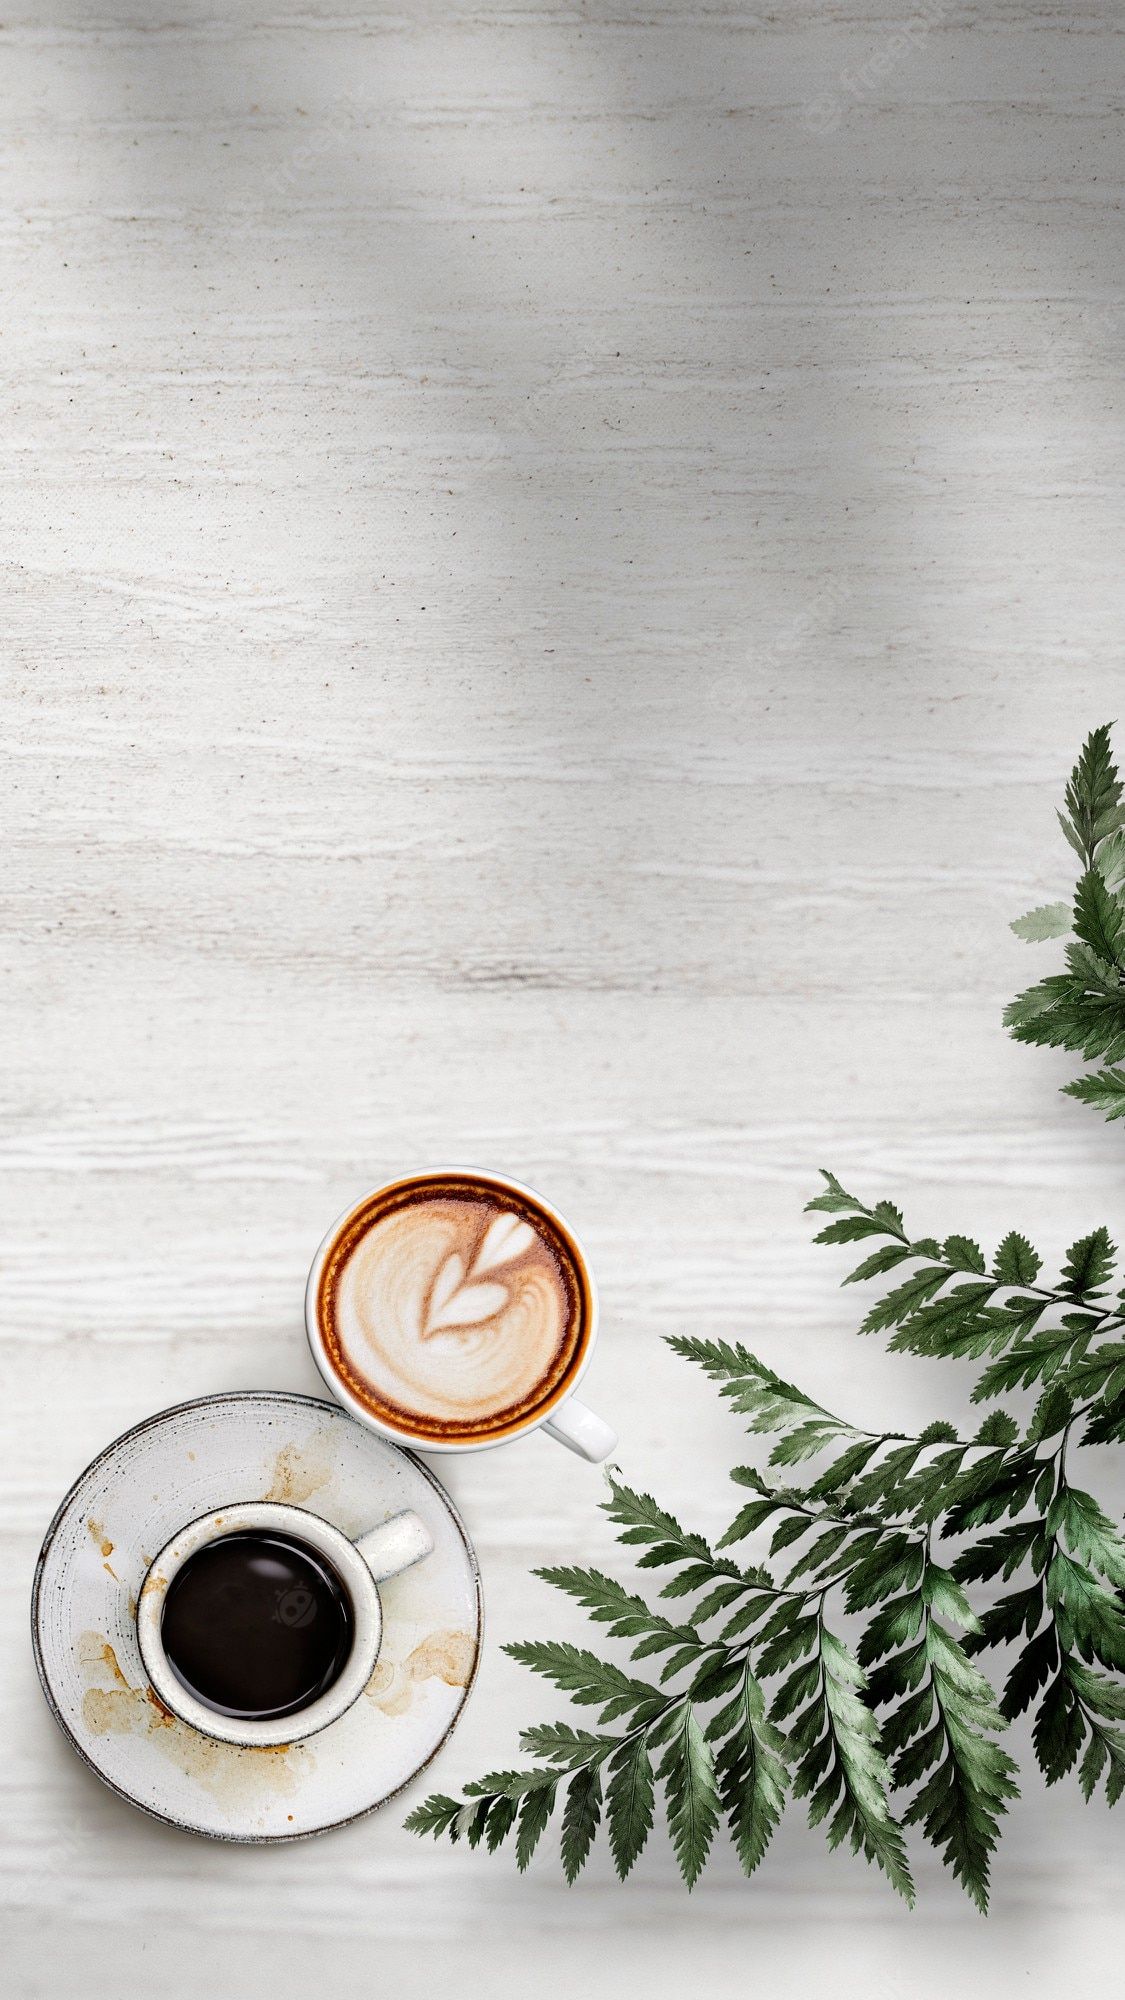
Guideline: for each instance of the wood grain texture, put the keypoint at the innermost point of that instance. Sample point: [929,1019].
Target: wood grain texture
[555,558]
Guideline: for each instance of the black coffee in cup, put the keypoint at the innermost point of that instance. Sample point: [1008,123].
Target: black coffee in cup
[257,1625]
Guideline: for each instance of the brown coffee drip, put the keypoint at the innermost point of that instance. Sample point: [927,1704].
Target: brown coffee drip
[454,1309]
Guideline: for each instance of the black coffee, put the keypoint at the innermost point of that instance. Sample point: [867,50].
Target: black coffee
[256,1625]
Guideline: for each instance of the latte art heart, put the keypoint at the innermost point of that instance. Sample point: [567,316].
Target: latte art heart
[457,1297]
[452,1312]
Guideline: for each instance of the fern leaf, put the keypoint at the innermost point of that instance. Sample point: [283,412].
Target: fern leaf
[1093,795]
[835,1199]
[435,1815]
[692,1801]
[896,1306]
[1016,1262]
[596,1683]
[770,1403]
[535,1812]
[1089,1266]
[1104,1089]
[751,1774]
[1060,1729]
[841,1768]
[960,1806]
[626,1614]
[581,1818]
[1099,920]
[629,1797]
[1088,1533]
[1050,920]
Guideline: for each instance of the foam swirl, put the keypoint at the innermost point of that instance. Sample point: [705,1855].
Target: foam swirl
[452,1311]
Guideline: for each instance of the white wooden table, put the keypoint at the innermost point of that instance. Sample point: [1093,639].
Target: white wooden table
[556,558]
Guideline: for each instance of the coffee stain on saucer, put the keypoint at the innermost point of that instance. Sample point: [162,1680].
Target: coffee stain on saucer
[448,1656]
[94,1650]
[99,1537]
[233,1775]
[299,1471]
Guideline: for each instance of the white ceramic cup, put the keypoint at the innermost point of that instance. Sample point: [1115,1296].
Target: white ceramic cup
[564,1418]
[361,1567]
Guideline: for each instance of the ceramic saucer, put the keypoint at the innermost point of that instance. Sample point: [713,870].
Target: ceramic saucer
[126,1505]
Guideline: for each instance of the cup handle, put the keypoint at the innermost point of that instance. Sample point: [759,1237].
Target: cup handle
[581,1431]
[397,1545]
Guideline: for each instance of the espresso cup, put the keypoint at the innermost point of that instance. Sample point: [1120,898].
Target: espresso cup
[357,1568]
[453,1310]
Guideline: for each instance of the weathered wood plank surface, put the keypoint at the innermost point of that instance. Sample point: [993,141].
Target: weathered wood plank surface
[555,557]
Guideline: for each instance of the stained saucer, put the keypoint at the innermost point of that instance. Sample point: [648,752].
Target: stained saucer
[207,1454]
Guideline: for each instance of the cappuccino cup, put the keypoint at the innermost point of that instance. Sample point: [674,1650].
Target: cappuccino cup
[453,1310]
[260,1624]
